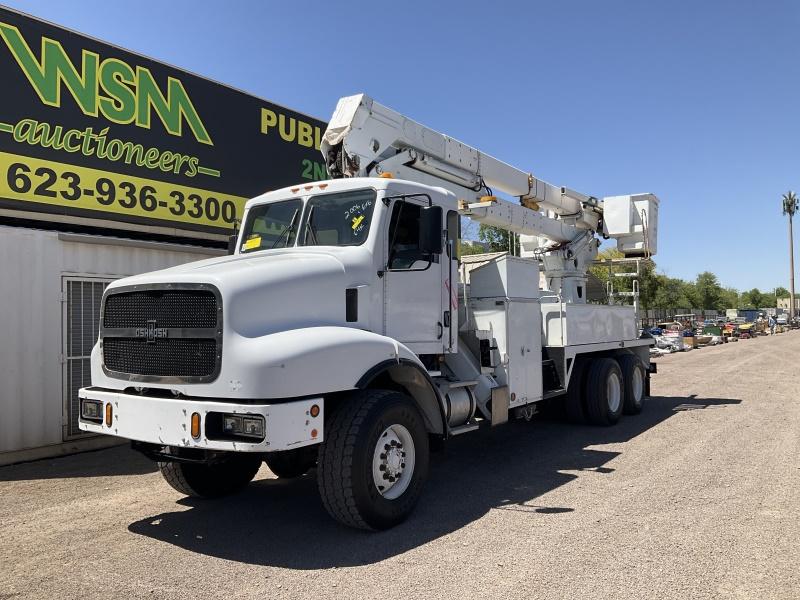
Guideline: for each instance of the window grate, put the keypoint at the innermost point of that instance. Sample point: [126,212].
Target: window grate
[81,329]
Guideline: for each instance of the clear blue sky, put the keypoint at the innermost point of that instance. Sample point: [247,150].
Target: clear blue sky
[694,101]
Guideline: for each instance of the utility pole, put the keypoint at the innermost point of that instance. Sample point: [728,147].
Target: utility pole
[789,209]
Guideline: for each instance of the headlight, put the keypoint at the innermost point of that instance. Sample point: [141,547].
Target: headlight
[91,410]
[246,425]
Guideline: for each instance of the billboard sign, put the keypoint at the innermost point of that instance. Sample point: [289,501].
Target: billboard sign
[92,131]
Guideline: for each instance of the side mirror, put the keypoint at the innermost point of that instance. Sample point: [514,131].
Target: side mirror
[430,230]
[232,243]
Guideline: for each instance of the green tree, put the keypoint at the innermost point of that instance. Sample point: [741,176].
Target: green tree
[730,298]
[708,291]
[498,240]
[673,293]
[467,249]
[690,293]
[649,282]
[755,299]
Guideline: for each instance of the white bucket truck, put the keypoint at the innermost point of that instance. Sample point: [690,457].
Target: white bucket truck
[343,334]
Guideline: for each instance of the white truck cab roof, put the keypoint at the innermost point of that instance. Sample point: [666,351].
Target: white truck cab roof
[444,197]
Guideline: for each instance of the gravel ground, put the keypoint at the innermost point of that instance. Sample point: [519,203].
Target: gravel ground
[695,498]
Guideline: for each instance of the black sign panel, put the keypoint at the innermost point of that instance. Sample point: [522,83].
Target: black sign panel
[90,130]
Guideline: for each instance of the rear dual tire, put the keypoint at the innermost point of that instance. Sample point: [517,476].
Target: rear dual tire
[635,378]
[604,392]
[602,389]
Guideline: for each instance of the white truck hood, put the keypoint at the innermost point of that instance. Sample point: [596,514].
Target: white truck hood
[265,293]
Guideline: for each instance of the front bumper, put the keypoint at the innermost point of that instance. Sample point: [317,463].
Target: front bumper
[167,421]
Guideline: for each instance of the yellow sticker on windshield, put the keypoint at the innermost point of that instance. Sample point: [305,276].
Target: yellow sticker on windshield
[252,243]
[357,221]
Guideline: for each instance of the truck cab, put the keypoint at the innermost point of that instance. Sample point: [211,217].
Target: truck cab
[396,242]
[332,288]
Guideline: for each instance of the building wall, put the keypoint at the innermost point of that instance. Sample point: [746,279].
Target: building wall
[34,265]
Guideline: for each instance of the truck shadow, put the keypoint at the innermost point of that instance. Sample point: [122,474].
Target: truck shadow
[283,523]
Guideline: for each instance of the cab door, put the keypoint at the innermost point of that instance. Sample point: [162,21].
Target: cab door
[413,281]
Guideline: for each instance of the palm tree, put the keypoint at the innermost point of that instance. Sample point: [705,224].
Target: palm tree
[790,208]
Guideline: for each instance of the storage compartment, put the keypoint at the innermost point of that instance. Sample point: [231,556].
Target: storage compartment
[505,277]
[514,328]
[577,324]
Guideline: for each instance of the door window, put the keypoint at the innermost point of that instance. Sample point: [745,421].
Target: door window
[404,237]
[453,235]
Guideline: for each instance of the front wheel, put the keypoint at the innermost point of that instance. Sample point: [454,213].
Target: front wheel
[374,461]
[220,478]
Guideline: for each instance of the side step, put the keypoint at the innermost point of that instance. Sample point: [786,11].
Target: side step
[465,428]
[451,385]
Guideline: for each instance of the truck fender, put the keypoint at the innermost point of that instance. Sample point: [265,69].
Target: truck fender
[408,374]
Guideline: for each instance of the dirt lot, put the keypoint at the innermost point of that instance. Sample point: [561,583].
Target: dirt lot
[698,497]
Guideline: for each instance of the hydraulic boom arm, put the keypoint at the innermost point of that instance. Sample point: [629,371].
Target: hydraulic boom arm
[365,138]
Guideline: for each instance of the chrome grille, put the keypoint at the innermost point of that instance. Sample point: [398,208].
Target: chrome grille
[164,358]
[169,308]
[164,334]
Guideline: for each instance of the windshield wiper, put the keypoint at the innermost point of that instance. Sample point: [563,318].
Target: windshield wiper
[287,229]
[310,228]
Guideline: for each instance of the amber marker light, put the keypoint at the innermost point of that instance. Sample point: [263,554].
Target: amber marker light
[109,414]
[314,433]
[314,412]
[195,425]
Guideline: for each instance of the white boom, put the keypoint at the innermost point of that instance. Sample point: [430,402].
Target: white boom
[365,138]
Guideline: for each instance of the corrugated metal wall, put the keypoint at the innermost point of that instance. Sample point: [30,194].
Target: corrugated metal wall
[36,267]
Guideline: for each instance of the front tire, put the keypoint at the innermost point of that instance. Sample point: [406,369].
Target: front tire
[213,480]
[604,392]
[373,464]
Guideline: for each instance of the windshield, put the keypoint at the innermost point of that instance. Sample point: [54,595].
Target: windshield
[338,219]
[271,225]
